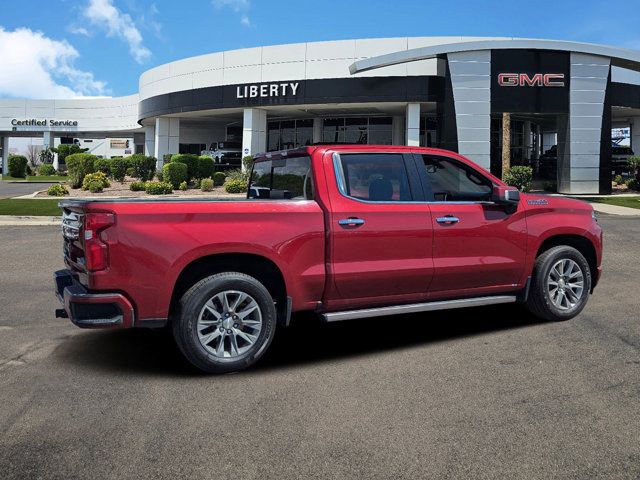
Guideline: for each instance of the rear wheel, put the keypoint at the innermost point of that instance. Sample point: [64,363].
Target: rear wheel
[225,322]
[560,284]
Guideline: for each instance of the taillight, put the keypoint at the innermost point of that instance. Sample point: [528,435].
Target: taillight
[96,252]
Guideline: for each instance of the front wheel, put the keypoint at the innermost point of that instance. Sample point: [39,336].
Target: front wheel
[225,322]
[560,284]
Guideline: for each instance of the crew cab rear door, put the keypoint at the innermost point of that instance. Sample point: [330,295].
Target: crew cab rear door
[380,229]
[478,246]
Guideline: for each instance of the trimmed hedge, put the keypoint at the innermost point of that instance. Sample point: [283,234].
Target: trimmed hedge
[158,188]
[190,160]
[17,166]
[205,166]
[235,186]
[118,168]
[144,167]
[95,179]
[219,178]
[46,169]
[57,190]
[206,184]
[175,173]
[137,186]
[102,165]
[78,166]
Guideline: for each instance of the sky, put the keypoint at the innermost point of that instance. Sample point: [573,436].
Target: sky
[67,48]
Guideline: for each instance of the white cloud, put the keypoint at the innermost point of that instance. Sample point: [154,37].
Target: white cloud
[238,6]
[78,30]
[103,14]
[35,66]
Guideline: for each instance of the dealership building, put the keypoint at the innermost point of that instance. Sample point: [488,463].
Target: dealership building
[449,92]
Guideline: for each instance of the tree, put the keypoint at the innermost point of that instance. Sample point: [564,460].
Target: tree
[506,143]
[33,154]
[65,150]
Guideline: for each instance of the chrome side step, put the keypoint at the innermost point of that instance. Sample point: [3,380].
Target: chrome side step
[417,307]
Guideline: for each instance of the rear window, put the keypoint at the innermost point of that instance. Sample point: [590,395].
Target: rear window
[288,179]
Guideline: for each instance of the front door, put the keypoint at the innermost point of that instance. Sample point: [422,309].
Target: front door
[380,230]
[478,246]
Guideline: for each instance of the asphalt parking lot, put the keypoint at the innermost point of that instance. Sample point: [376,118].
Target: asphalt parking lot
[14,189]
[477,393]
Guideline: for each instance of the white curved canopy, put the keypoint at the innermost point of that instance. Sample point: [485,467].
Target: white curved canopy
[620,57]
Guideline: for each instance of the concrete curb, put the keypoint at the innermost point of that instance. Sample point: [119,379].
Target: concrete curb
[22,220]
[615,209]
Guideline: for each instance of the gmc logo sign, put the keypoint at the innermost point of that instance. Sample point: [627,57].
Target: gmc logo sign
[537,80]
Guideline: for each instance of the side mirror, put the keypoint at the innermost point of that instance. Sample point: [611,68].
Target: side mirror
[506,195]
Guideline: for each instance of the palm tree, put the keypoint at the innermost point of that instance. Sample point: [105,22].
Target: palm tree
[506,143]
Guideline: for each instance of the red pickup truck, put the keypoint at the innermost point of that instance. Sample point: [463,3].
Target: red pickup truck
[346,231]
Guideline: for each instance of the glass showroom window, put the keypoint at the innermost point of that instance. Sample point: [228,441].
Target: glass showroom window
[285,134]
[361,130]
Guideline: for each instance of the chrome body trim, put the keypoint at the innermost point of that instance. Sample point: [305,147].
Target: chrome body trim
[417,307]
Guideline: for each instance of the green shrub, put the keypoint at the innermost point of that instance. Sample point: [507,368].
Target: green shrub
[159,175]
[29,171]
[550,187]
[94,186]
[166,158]
[158,188]
[618,180]
[144,167]
[175,173]
[17,166]
[634,164]
[190,160]
[102,165]
[205,167]
[79,165]
[118,168]
[130,171]
[237,175]
[206,184]
[235,186]
[66,150]
[57,190]
[247,163]
[137,186]
[219,178]
[93,178]
[183,186]
[632,184]
[46,169]
[520,177]
[46,155]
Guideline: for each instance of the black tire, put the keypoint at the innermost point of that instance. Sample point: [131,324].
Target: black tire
[185,324]
[539,301]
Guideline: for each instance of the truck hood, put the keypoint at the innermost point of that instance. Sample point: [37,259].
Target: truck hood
[558,203]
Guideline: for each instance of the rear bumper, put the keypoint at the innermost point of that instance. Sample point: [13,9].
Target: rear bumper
[92,310]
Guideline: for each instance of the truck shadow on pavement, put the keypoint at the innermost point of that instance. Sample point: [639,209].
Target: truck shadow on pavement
[307,341]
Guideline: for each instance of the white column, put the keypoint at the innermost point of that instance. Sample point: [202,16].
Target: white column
[317,130]
[397,133]
[5,155]
[166,138]
[254,131]
[413,124]
[150,141]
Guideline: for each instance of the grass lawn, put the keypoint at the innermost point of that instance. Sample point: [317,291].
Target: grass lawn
[11,206]
[631,202]
[38,178]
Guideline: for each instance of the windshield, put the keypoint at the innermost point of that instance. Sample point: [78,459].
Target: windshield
[288,179]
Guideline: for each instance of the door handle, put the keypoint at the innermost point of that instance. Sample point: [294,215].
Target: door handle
[448,220]
[351,222]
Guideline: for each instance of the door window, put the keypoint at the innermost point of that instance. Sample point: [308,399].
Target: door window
[282,179]
[450,181]
[376,177]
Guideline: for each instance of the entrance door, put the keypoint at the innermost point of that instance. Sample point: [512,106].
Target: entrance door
[381,236]
[478,247]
